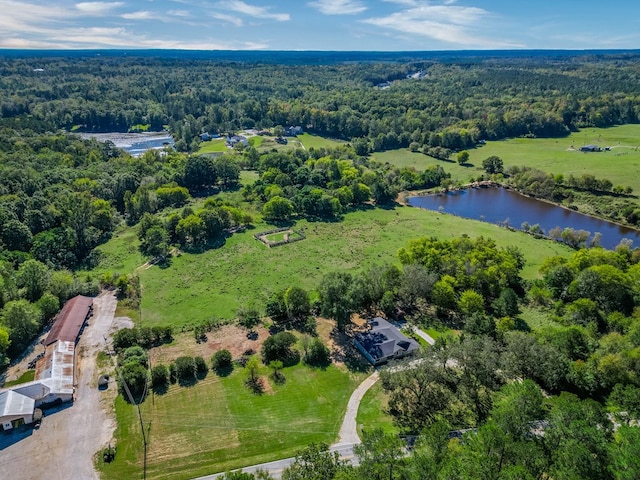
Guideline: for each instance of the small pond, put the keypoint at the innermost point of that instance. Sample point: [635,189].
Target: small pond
[499,205]
[134,143]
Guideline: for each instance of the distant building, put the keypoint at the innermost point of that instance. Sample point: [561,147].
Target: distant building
[294,131]
[590,148]
[208,136]
[233,140]
[384,342]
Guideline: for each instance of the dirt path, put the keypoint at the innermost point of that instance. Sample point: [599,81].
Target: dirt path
[66,442]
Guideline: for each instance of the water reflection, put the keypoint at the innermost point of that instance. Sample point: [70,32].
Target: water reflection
[498,205]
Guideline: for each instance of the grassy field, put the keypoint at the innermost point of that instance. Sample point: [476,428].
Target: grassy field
[621,165]
[371,411]
[211,146]
[316,141]
[195,287]
[219,424]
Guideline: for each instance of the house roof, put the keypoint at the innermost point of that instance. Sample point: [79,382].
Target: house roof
[70,320]
[13,404]
[385,340]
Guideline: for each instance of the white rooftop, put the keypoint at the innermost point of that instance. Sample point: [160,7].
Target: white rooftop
[13,403]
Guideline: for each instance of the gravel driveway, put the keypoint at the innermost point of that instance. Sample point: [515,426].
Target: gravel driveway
[66,442]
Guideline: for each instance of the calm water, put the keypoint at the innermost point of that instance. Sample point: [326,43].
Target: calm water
[495,205]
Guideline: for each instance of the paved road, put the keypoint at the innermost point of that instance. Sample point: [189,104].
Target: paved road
[349,431]
[424,335]
[64,445]
[347,439]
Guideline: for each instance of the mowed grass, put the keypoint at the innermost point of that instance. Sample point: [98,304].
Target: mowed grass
[218,424]
[211,146]
[315,141]
[371,413]
[621,165]
[217,282]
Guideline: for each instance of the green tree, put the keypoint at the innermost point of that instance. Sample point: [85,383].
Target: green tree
[315,462]
[463,157]
[624,452]
[471,302]
[297,303]
[133,381]
[335,298]
[33,276]
[280,346]
[22,319]
[493,164]
[4,346]
[381,455]
[277,209]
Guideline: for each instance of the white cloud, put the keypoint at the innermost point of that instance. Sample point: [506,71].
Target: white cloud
[97,8]
[255,11]
[141,15]
[338,7]
[232,19]
[445,22]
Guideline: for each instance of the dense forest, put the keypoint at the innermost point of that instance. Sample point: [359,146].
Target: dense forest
[450,104]
[540,402]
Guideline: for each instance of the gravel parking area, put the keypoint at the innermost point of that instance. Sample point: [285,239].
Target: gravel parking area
[63,447]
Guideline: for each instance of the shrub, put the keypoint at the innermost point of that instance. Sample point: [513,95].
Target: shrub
[185,368]
[201,366]
[125,338]
[159,376]
[135,354]
[317,354]
[221,359]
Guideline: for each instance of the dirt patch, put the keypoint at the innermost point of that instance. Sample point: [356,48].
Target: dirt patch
[227,337]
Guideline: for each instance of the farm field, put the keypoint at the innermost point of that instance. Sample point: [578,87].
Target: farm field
[621,165]
[196,287]
[218,424]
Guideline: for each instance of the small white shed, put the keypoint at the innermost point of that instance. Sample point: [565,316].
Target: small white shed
[15,409]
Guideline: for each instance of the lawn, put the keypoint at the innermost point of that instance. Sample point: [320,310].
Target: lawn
[219,424]
[371,411]
[211,146]
[621,165]
[195,287]
[316,141]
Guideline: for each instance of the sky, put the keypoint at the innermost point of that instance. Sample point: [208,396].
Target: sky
[365,25]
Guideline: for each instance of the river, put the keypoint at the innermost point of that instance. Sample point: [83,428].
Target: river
[499,205]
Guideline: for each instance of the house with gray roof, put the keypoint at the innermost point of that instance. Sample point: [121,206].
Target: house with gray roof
[383,342]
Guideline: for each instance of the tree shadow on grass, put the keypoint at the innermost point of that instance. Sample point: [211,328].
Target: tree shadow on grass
[188,382]
[160,389]
[347,353]
[224,371]
[278,378]
[255,385]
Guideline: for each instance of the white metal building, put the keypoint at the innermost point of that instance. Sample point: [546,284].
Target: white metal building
[15,409]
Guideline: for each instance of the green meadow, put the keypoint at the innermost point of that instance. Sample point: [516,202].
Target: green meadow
[217,282]
[315,141]
[621,165]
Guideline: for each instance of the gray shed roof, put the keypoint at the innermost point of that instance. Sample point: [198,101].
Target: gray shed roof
[13,404]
